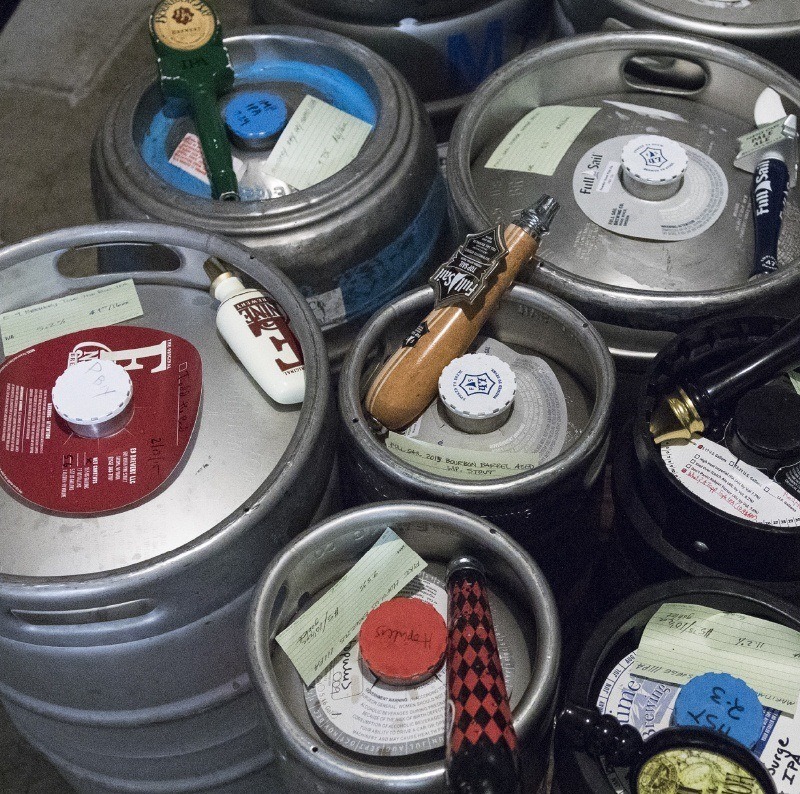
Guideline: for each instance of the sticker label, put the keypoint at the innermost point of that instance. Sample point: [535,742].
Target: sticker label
[710,471]
[188,156]
[93,308]
[184,24]
[538,141]
[316,638]
[417,334]
[761,138]
[605,201]
[318,142]
[684,640]
[464,278]
[535,432]
[43,461]
[648,706]
[365,715]
[459,464]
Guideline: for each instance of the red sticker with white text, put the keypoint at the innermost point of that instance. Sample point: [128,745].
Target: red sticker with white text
[43,461]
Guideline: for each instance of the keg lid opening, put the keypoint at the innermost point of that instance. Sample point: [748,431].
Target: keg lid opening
[653,167]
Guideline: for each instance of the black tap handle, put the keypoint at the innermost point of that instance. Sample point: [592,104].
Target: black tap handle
[599,734]
[779,353]
[768,198]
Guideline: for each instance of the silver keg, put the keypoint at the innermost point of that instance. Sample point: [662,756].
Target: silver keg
[351,242]
[391,10]
[769,27]
[122,654]
[547,508]
[443,57]
[638,292]
[525,620]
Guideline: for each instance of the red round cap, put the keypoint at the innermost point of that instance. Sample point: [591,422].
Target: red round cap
[403,641]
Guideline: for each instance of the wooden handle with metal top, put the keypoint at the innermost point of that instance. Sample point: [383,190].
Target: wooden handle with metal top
[407,383]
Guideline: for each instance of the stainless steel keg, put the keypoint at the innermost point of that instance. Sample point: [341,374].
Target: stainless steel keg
[701,94]
[443,57]
[121,633]
[351,242]
[525,619]
[391,10]
[547,508]
[771,28]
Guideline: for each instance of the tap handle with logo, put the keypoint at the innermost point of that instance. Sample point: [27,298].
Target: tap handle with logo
[193,64]
[468,287]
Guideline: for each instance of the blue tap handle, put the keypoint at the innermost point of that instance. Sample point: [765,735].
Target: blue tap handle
[768,198]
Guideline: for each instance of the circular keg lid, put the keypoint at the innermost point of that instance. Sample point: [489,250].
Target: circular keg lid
[767,421]
[477,391]
[653,167]
[255,118]
[226,475]
[403,641]
[91,395]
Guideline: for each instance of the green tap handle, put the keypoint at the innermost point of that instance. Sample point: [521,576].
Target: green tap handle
[193,64]
[215,144]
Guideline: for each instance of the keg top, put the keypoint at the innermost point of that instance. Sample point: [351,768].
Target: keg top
[227,472]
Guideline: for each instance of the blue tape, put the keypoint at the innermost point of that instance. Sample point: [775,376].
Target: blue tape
[374,282]
[334,86]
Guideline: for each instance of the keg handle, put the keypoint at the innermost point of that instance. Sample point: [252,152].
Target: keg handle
[664,73]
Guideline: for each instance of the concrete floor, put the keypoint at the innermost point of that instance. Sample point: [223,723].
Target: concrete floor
[44,185]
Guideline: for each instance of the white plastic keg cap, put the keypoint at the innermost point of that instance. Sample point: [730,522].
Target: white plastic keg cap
[653,167]
[93,397]
[477,391]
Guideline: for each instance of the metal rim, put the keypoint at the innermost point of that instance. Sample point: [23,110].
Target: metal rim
[650,16]
[639,306]
[311,422]
[532,712]
[138,184]
[394,469]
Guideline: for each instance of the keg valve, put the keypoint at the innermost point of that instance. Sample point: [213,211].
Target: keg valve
[468,287]
[689,409]
[193,64]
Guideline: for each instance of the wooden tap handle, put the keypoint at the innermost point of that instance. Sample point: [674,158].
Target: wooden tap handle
[408,381]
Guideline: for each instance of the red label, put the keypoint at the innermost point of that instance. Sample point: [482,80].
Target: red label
[262,315]
[42,460]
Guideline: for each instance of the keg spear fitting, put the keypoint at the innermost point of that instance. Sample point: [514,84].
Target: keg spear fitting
[468,287]
[688,410]
[193,64]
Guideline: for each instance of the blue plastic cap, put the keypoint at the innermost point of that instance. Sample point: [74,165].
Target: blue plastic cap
[255,116]
[723,703]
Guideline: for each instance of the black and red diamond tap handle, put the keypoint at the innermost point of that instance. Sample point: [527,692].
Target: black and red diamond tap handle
[482,755]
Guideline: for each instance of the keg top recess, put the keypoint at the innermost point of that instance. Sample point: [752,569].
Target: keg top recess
[241,439]
[274,70]
[698,94]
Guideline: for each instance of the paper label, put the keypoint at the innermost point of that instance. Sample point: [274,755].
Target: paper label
[314,639]
[759,139]
[535,432]
[538,141]
[188,156]
[648,707]
[605,201]
[318,141]
[463,279]
[94,308]
[459,464]
[710,471]
[183,24]
[361,713]
[42,460]
[684,640]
